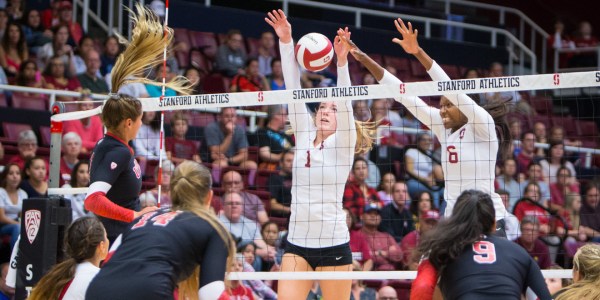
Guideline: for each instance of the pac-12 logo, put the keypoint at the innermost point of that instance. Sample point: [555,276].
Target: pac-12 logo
[402,88]
[136,169]
[556,79]
[33,219]
[261,97]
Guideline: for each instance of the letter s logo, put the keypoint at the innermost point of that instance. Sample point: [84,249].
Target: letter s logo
[556,79]
[29,271]
[261,98]
[402,88]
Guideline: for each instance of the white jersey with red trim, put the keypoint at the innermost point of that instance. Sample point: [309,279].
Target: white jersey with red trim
[468,154]
[320,172]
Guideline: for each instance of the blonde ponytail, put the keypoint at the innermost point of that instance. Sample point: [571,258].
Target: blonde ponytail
[144,52]
[190,190]
[366,133]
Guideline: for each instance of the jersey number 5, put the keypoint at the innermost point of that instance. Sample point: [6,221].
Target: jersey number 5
[485,252]
[452,154]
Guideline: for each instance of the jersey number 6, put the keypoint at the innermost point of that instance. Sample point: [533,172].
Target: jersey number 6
[452,154]
[485,252]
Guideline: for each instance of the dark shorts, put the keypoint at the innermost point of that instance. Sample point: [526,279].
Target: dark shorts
[322,257]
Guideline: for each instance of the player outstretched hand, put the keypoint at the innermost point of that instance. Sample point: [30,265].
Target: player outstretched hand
[409,37]
[354,50]
[340,47]
[280,24]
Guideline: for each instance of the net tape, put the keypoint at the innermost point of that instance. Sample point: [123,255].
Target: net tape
[360,92]
[378,275]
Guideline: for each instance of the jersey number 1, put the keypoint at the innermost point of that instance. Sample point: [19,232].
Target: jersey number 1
[485,252]
[452,154]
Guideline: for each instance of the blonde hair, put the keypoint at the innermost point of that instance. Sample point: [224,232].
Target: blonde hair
[144,53]
[365,135]
[587,263]
[573,215]
[190,187]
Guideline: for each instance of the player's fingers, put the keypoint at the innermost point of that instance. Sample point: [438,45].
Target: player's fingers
[402,25]
[397,41]
[397,26]
[269,22]
[416,32]
[281,14]
[410,27]
[271,16]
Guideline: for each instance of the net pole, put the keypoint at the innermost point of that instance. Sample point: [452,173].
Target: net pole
[56,130]
[162,113]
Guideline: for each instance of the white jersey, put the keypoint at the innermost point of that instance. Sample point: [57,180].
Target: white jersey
[84,273]
[320,172]
[468,154]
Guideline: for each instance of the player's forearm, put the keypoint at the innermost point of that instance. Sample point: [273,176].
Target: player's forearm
[226,143]
[372,66]
[424,59]
[276,206]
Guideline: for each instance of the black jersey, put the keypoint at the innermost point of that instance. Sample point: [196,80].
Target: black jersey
[112,161]
[160,249]
[493,268]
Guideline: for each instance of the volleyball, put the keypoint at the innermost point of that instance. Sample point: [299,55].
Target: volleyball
[314,52]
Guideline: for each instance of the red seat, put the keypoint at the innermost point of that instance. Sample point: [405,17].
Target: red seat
[402,65]
[19,100]
[402,288]
[12,130]
[199,60]
[262,179]
[587,129]
[183,58]
[181,35]
[253,45]
[541,104]
[452,71]
[378,58]
[567,123]
[201,119]
[215,84]
[46,135]
[417,70]
[253,153]
[205,41]
[541,118]
[3,101]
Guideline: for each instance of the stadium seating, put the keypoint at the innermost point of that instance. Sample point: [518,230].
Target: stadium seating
[12,130]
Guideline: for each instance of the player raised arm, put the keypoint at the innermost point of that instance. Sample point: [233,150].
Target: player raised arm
[465,104]
[345,115]
[298,113]
[426,114]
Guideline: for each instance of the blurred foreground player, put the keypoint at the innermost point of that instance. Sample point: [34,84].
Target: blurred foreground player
[166,249]
[470,262]
[86,246]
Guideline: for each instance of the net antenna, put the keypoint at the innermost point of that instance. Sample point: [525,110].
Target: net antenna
[162,112]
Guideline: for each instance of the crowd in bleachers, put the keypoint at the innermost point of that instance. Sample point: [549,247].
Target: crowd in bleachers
[393,193]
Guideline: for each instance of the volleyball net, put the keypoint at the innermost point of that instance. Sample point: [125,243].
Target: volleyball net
[544,86]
